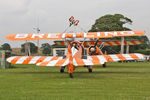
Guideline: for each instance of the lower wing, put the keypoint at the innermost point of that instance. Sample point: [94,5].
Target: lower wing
[101,59]
[93,60]
[59,61]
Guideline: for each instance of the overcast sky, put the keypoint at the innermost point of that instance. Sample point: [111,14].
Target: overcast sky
[21,16]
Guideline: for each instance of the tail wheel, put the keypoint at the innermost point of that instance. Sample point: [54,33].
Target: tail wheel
[71,75]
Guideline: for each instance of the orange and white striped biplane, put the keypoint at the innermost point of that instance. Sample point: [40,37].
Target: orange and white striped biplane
[75,53]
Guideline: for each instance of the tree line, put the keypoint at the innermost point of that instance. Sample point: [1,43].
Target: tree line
[45,48]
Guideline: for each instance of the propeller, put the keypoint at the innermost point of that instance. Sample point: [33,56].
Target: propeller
[95,49]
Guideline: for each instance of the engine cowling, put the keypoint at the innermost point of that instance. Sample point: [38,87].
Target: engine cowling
[93,50]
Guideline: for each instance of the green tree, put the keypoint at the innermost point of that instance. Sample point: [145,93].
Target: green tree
[111,23]
[116,22]
[6,46]
[33,47]
[46,48]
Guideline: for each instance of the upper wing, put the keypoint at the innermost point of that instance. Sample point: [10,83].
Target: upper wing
[101,59]
[106,43]
[89,35]
[31,59]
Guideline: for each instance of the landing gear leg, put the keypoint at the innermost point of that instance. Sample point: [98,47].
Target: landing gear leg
[70,70]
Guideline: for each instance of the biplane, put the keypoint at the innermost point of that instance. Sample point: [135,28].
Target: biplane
[75,56]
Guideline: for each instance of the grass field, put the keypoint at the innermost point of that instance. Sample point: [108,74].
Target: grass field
[119,81]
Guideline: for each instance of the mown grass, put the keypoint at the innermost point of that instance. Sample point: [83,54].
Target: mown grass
[119,81]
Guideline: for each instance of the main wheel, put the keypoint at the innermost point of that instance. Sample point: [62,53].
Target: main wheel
[62,69]
[90,69]
[104,65]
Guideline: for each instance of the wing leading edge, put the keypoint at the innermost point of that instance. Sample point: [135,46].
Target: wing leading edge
[101,59]
[89,35]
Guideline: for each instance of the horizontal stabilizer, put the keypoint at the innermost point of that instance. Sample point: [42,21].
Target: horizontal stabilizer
[85,62]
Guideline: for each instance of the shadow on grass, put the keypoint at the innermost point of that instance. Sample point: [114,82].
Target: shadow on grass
[102,74]
[120,66]
[55,74]
[85,72]
[46,75]
[15,67]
